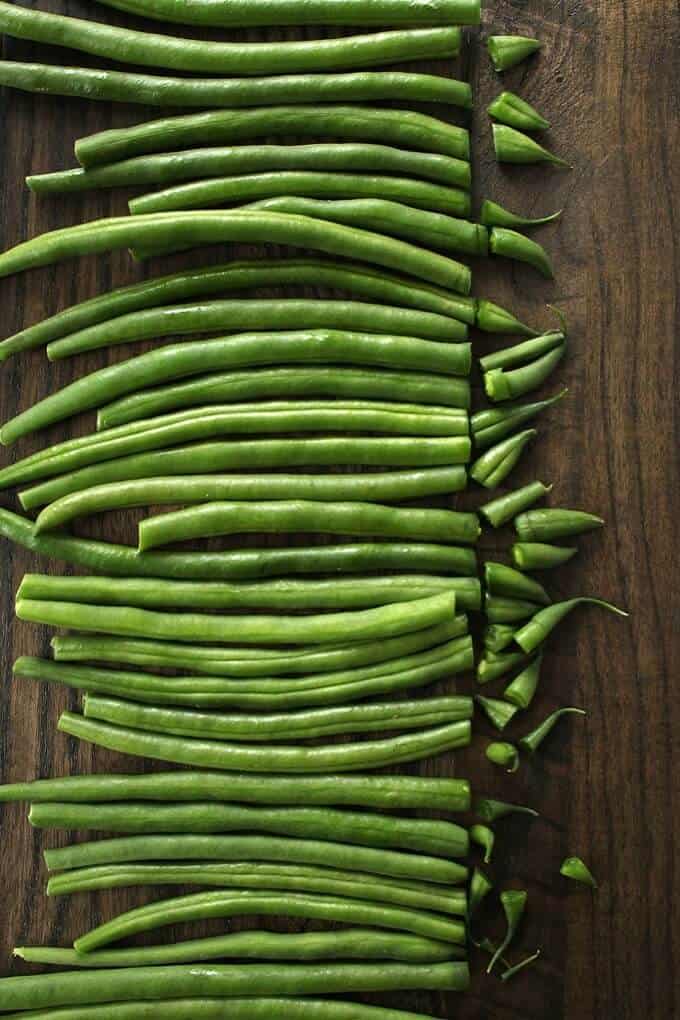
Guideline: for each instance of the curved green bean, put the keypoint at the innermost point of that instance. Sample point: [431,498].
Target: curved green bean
[182,229]
[89,988]
[124,561]
[555,522]
[522,689]
[391,792]
[510,583]
[247,350]
[263,383]
[533,633]
[512,146]
[495,215]
[532,741]
[152,50]
[495,423]
[493,319]
[502,385]
[363,828]
[513,245]
[539,556]
[237,190]
[191,164]
[511,109]
[520,354]
[284,758]
[496,463]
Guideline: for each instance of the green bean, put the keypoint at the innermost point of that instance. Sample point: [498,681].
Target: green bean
[514,903]
[371,284]
[266,693]
[123,561]
[259,877]
[502,385]
[248,13]
[385,486]
[576,869]
[430,229]
[497,636]
[510,109]
[483,836]
[192,164]
[494,215]
[263,383]
[494,319]
[346,944]
[307,724]
[496,463]
[494,423]
[324,628]
[491,810]
[282,757]
[502,509]
[499,713]
[352,593]
[513,245]
[546,525]
[349,855]
[511,971]
[363,828]
[219,904]
[512,146]
[520,354]
[176,361]
[499,753]
[41,991]
[151,50]
[507,610]
[237,190]
[523,688]
[503,580]
[539,556]
[533,633]
[507,50]
[392,792]
[493,665]
[480,887]
[532,741]
[242,316]
[228,518]
[154,90]
[211,227]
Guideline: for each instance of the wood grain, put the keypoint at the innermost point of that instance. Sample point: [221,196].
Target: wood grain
[607,788]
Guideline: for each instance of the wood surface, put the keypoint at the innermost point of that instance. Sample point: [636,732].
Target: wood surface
[605,788]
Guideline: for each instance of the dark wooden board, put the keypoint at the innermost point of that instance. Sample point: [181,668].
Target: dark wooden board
[605,787]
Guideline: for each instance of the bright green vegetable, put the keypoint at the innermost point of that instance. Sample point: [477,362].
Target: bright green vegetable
[500,609]
[538,555]
[503,754]
[494,423]
[514,903]
[532,741]
[512,146]
[513,245]
[494,215]
[491,810]
[493,319]
[483,836]
[522,689]
[498,712]
[533,633]
[505,581]
[512,971]
[480,887]
[496,463]
[509,108]
[547,525]
[498,636]
[574,868]
[493,665]
[520,354]
[502,385]
[502,509]
[507,50]
[223,58]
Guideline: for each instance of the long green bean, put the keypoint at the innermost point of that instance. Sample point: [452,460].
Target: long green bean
[177,361]
[42,991]
[392,792]
[152,50]
[427,836]
[282,757]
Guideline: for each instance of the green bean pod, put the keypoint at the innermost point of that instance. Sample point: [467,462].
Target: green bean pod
[501,385]
[520,354]
[512,146]
[497,636]
[507,610]
[89,988]
[494,423]
[390,792]
[539,556]
[177,361]
[494,215]
[532,741]
[507,50]
[502,509]
[480,887]
[513,245]
[493,319]
[500,753]
[522,689]
[237,190]
[350,855]
[264,383]
[491,810]
[546,525]
[498,712]
[493,665]
[363,828]
[533,633]
[578,871]
[345,944]
[223,58]
[508,108]
[496,463]
[513,902]
[188,229]
[506,581]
